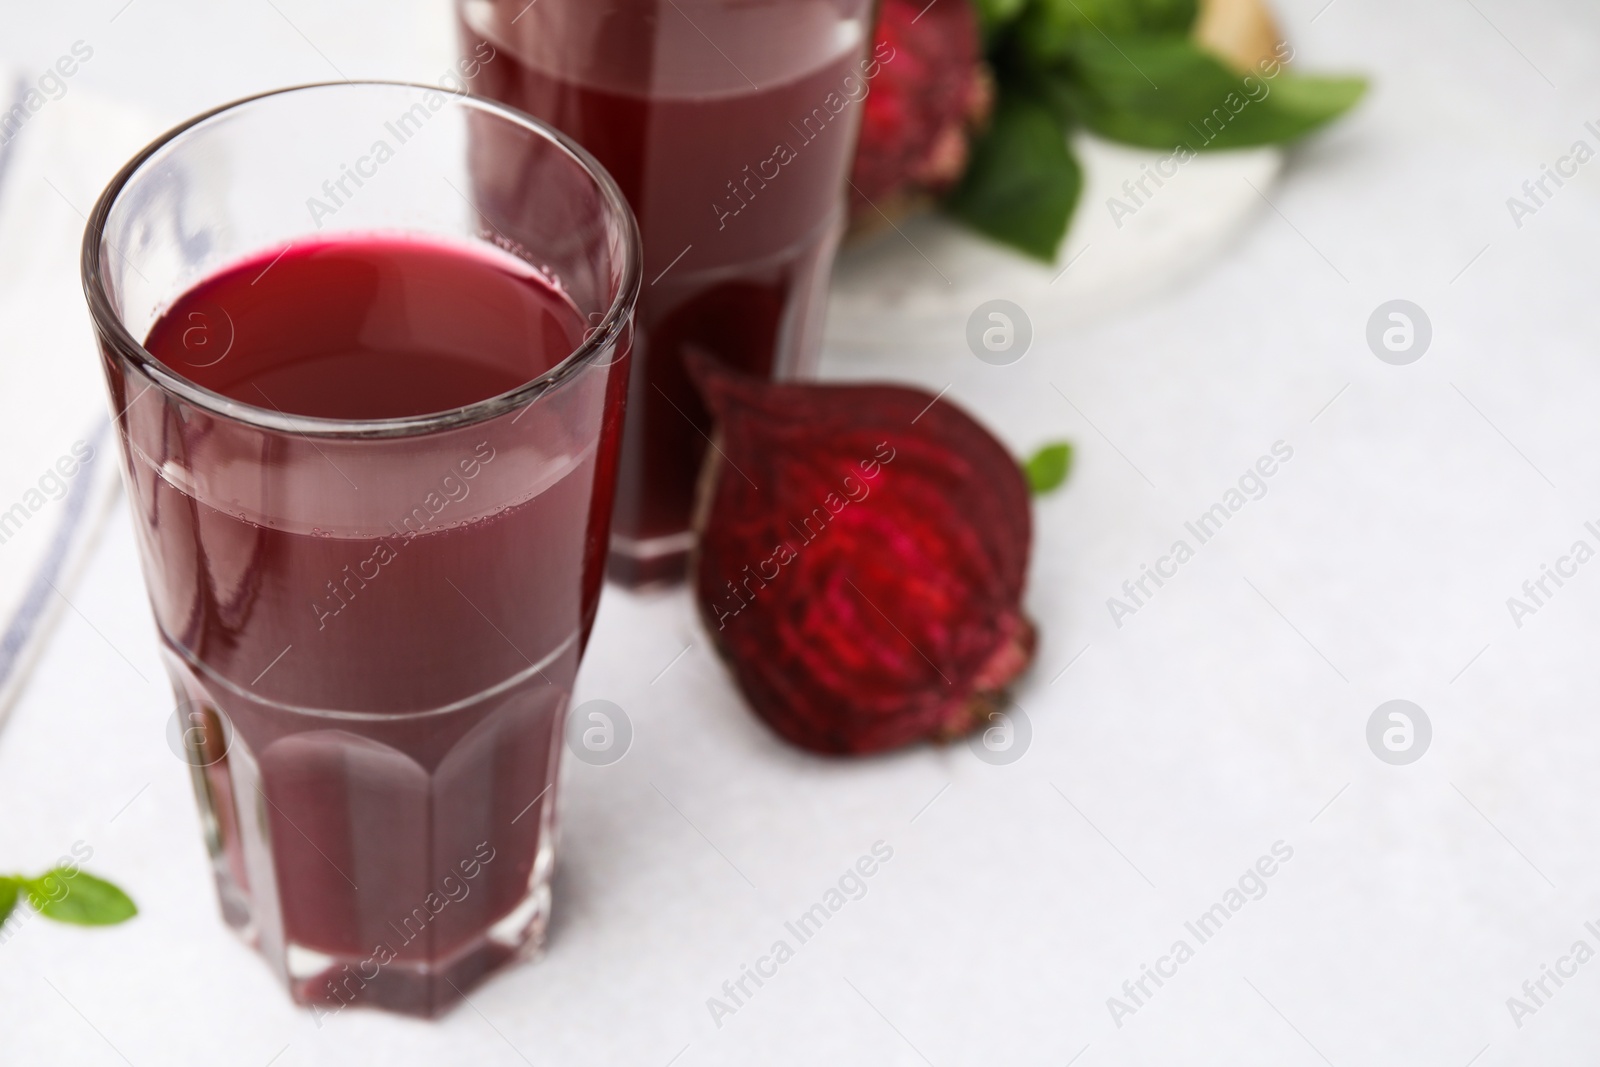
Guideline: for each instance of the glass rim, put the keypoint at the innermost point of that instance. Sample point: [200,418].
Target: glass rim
[108,323]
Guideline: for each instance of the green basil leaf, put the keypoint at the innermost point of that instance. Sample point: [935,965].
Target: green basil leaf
[1047,469]
[1167,92]
[1022,182]
[70,896]
[1049,30]
[1315,98]
[1056,90]
[8,898]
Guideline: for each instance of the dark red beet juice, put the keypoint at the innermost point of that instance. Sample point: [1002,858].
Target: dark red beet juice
[729,127]
[393,649]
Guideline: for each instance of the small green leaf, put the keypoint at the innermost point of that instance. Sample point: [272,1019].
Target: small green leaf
[70,896]
[1023,182]
[8,898]
[1048,468]
[1170,93]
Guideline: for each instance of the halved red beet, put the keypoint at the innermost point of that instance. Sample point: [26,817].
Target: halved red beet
[861,560]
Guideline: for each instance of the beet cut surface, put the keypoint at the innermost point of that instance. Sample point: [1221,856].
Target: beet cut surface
[861,560]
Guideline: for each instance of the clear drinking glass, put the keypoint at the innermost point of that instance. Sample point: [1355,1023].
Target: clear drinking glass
[372,626]
[730,126]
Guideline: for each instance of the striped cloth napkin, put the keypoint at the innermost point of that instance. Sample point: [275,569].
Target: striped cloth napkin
[59,146]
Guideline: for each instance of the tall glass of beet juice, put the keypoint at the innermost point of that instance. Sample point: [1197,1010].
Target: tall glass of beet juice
[370,409]
[729,125]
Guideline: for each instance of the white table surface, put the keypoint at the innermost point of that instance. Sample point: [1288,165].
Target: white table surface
[1227,715]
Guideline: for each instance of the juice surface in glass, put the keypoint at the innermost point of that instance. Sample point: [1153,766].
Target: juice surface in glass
[730,126]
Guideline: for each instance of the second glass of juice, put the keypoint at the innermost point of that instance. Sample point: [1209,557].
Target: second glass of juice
[730,126]
[369,418]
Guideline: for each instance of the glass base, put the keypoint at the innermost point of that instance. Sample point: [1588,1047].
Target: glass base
[641,563]
[329,983]
[382,861]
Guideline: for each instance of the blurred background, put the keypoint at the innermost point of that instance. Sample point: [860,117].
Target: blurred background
[1230,723]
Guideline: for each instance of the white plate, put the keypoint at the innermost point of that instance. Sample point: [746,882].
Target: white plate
[932,273]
